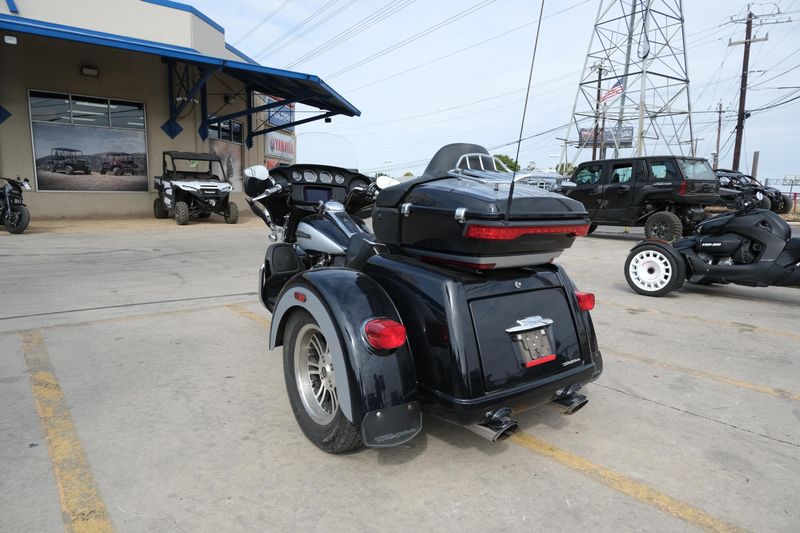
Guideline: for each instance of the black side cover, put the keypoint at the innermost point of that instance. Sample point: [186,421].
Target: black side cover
[280,265]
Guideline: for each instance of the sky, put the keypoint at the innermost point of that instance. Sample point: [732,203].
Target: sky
[425,74]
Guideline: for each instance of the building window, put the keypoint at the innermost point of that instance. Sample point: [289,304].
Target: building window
[88,143]
[126,114]
[50,107]
[227,130]
[86,110]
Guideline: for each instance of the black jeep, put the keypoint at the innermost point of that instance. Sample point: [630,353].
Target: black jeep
[68,161]
[665,194]
[118,163]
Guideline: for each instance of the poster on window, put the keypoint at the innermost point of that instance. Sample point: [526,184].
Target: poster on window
[80,158]
[231,156]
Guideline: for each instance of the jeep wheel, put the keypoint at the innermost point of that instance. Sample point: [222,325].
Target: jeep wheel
[159,209]
[653,271]
[663,225]
[311,383]
[181,213]
[232,214]
[765,203]
[785,205]
[117,171]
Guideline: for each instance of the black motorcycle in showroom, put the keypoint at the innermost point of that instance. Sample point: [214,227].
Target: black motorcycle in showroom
[13,212]
[453,305]
[751,246]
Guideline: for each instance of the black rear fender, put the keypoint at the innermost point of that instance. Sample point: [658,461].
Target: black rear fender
[377,390]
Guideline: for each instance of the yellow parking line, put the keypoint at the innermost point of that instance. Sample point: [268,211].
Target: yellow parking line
[82,509]
[778,393]
[255,317]
[710,321]
[625,485]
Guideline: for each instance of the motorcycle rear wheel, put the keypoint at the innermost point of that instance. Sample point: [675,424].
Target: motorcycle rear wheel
[19,219]
[311,386]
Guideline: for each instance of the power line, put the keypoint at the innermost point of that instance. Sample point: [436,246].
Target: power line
[451,54]
[288,42]
[367,22]
[259,24]
[416,36]
[296,28]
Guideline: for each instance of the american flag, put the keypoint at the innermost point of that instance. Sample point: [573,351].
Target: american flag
[614,91]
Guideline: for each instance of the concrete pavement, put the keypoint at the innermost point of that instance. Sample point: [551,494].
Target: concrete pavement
[157,345]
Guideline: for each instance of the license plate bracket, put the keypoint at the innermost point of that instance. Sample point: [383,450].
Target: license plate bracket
[532,341]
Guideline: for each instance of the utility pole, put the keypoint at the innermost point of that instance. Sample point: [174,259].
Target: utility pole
[737,146]
[599,68]
[748,40]
[719,132]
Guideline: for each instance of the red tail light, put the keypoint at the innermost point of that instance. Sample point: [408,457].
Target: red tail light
[585,300]
[682,190]
[385,334]
[509,233]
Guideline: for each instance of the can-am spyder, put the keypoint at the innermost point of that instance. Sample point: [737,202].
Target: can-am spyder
[13,213]
[453,305]
[752,247]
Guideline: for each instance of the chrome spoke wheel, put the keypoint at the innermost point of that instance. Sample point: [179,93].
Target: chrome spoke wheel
[650,270]
[316,381]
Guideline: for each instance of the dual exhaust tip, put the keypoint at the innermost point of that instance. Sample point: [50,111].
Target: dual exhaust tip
[499,425]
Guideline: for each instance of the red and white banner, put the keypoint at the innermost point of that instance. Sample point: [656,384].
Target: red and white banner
[281,146]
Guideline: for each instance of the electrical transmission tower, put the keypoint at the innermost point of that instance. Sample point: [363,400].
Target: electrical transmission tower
[633,97]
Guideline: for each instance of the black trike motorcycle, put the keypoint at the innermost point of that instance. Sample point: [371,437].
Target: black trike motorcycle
[750,246]
[13,213]
[453,305]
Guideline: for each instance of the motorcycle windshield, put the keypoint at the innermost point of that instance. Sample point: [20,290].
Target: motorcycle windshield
[318,148]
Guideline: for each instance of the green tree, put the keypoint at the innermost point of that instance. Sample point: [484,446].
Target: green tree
[408,173]
[565,169]
[508,161]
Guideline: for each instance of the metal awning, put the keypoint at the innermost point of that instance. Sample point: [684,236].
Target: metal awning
[291,87]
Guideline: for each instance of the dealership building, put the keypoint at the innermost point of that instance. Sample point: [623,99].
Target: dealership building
[94,91]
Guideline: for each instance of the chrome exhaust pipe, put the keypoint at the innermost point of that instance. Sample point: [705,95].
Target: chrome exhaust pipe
[571,404]
[498,426]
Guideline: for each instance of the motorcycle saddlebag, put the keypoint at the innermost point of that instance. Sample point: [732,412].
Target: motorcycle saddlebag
[461,221]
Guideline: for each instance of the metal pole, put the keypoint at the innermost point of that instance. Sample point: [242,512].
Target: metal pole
[686,73]
[631,22]
[719,130]
[597,111]
[645,30]
[754,173]
[603,137]
[737,147]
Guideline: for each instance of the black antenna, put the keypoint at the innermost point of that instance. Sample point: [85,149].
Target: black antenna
[524,112]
